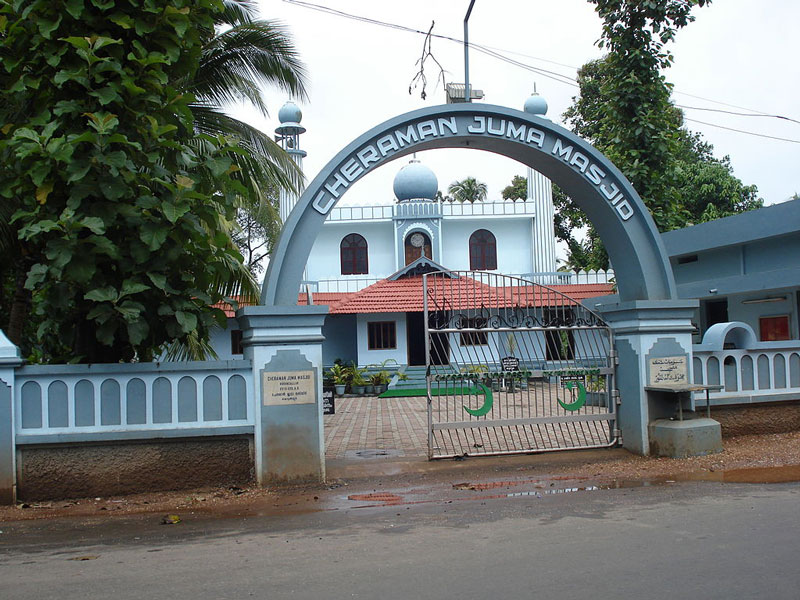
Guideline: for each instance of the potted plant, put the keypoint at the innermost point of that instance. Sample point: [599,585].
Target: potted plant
[339,374]
[381,381]
[357,381]
[596,394]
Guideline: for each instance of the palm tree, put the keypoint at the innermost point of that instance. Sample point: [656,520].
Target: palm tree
[244,55]
[468,190]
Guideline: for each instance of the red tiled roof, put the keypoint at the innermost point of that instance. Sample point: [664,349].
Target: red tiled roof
[330,298]
[405,295]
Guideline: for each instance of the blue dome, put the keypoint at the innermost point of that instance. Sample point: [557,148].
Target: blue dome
[415,181]
[290,113]
[535,105]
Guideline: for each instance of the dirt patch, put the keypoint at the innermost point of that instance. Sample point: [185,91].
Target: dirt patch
[741,452]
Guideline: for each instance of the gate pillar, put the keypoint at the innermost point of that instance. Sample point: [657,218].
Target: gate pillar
[10,359]
[284,345]
[646,330]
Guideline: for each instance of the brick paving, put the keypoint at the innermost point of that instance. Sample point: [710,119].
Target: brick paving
[371,427]
[366,425]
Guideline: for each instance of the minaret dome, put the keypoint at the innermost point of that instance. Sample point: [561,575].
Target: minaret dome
[415,181]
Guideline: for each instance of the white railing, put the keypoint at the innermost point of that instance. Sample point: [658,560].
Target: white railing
[749,371]
[361,213]
[481,209]
[570,277]
[343,285]
[565,277]
[125,398]
[416,210]
[411,209]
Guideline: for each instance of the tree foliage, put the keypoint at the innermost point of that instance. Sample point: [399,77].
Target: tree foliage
[121,211]
[624,110]
[518,190]
[467,190]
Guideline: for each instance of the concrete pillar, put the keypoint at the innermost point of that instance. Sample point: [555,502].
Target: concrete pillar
[540,192]
[643,330]
[284,344]
[10,359]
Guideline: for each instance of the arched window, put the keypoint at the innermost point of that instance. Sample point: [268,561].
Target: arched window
[482,251]
[354,255]
[417,244]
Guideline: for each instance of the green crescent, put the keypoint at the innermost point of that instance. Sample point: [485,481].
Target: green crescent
[488,400]
[581,397]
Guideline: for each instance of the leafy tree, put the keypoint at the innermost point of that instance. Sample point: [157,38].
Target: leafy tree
[518,190]
[121,212]
[257,229]
[467,190]
[624,109]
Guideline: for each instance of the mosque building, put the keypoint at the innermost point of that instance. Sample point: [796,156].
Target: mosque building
[367,262]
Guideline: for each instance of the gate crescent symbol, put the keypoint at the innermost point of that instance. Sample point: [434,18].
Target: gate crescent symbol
[488,400]
[581,397]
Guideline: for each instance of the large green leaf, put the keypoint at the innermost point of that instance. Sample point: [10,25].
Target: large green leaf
[104,294]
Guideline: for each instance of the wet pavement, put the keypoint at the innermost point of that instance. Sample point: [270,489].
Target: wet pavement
[478,537]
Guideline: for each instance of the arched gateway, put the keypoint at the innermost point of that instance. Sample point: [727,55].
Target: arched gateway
[283,340]
[597,186]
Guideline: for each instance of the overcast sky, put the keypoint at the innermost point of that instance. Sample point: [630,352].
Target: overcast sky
[738,52]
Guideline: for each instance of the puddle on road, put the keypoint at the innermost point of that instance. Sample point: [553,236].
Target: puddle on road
[787,474]
[536,488]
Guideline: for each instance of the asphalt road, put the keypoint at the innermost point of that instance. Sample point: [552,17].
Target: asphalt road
[681,540]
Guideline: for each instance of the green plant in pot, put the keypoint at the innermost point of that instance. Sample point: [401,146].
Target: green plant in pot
[340,375]
[381,381]
[358,382]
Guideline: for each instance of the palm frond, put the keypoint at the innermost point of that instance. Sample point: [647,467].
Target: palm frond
[265,164]
[237,62]
[236,12]
[192,347]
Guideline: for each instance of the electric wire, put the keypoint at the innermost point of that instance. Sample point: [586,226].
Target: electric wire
[554,75]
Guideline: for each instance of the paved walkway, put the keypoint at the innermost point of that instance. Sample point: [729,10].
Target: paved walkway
[366,426]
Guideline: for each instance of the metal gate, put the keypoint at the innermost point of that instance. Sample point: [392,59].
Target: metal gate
[514,367]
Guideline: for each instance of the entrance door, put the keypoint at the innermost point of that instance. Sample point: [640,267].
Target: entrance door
[415,337]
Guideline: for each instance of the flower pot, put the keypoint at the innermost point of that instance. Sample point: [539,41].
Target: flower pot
[381,387]
[340,389]
[369,389]
[357,389]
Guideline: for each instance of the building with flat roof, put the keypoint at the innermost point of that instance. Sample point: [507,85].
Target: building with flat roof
[742,268]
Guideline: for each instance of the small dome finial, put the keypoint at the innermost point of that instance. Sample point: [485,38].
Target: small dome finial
[535,104]
[290,113]
[415,181]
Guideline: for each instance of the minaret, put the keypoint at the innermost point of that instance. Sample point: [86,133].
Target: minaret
[287,135]
[540,192]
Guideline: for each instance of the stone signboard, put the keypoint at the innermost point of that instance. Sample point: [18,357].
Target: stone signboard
[287,388]
[668,370]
